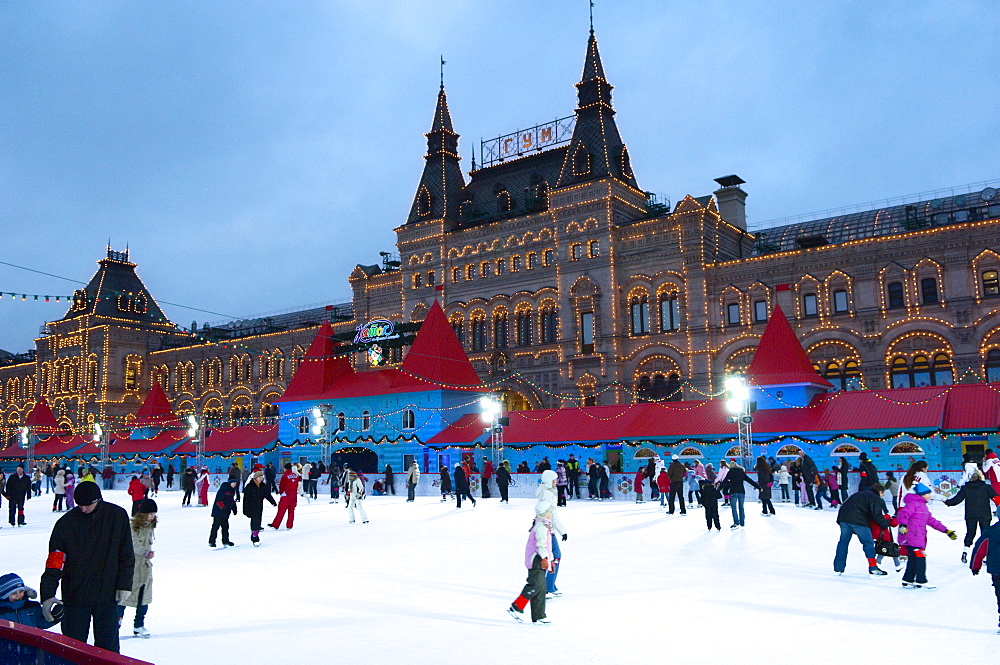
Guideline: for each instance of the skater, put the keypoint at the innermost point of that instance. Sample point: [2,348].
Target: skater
[721,478]
[638,483]
[783,480]
[333,477]
[445,478]
[488,473]
[733,485]
[462,486]
[573,473]
[991,472]
[593,478]
[357,498]
[693,486]
[765,479]
[235,474]
[843,468]
[17,491]
[834,484]
[537,559]
[90,554]
[914,517]
[390,480]
[143,524]
[288,498]
[137,491]
[663,485]
[108,474]
[187,484]
[157,476]
[547,501]
[36,481]
[222,507]
[59,484]
[254,495]
[884,544]
[820,493]
[17,604]
[809,473]
[969,467]
[70,489]
[650,476]
[710,496]
[270,476]
[855,518]
[604,481]
[978,498]
[869,474]
[892,486]
[412,478]
[170,477]
[988,549]
[504,479]
[314,475]
[675,472]
[203,484]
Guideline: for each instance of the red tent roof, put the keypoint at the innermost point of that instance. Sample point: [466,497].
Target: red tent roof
[156,410]
[780,358]
[161,443]
[319,368]
[437,356]
[41,419]
[53,446]
[230,439]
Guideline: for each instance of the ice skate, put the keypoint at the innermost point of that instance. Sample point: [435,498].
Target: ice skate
[516,613]
[541,622]
[735,526]
[875,571]
[965,556]
[141,632]
[226,543]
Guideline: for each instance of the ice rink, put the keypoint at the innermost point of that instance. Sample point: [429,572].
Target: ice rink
[426,583]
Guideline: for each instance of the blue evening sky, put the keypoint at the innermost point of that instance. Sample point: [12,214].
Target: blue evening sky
[251,153]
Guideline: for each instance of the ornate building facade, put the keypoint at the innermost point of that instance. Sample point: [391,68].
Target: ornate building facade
[568,284]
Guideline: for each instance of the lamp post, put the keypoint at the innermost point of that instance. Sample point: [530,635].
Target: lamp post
[199,443]
[739,405]
[321,430]
[492,414]
[27,442]
[102,445]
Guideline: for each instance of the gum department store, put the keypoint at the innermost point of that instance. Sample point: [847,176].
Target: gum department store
[567,284]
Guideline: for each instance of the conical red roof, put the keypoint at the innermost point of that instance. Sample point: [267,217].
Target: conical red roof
[41,419]
[319,369]
[437,356]
[780,358]
[156,410]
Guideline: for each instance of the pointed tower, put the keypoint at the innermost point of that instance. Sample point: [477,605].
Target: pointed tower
[441,183]
[436,354]
[116,291]
[318,369]
[781,374]
[40,420]
[156,411]
[596,150]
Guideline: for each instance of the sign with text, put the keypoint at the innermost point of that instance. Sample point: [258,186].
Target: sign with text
[518,143]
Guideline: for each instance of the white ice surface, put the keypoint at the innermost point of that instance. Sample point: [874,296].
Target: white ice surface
[426,583]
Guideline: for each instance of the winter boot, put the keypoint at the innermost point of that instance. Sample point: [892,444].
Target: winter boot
[965,555]
[874,570]
[255,538]
[141,632]
[227,543]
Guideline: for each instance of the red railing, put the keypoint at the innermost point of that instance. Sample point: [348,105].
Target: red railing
[38,641]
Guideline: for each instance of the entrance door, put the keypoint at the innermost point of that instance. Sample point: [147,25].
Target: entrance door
[358,459]
[444,459]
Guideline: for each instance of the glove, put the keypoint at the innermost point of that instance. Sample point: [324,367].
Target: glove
[951,534]
[902,529]
[565,537]
[52,610]
[975,572]
[121,595]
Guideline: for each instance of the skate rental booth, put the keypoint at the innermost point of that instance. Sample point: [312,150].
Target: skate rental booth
[429,410]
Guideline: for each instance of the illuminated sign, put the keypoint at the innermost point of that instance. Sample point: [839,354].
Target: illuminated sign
[377,330]
[522,141]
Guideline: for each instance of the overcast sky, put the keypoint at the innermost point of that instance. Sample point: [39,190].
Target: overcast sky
[251,153]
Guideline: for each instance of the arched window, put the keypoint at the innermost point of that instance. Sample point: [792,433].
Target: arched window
[929,291]
[942,375]
[548,256]
[846,450]
[581,162]
[470,272]
[639,305]
[503,201]
[991,283]
[900,373]
[673,390]
[852,376]
[809,305]
[993,365]
[549,324]
[921,371]
[522,320]
[575,251]
[456,274]
[515,263]
[659,387]
[424,202]
[457,327]
[366,420]
[691,453]
[594,249]
[501,266]
[409,421]
[839,301]
[430,278]
[417,278]
[484,269]
[304,425]
[670,312]
[341,422]
[500,330]
[894,295]
[789,450]
[906,448]
[644,390]
[478,332]
[532,261]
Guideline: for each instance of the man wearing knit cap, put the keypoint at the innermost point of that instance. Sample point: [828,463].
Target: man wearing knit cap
[91,556]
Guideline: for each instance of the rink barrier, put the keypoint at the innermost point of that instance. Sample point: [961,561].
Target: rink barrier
[24,645]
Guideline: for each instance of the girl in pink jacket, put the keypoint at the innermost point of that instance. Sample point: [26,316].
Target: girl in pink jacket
[914,518]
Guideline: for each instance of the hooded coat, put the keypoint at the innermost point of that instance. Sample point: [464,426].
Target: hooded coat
[978,498]
[546,499]
[254,496]
[916,517]
[225,501]
[142,578]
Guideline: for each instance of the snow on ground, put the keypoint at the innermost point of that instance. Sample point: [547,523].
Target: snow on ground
[426,583]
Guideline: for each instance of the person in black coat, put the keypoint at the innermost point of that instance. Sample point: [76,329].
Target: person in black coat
[709,498]
[869,474]
[988,549]
[843,468]
[390,480]
[445,482]
[855,518]
[978,497]
[17,491]
[809,473]
[269,477]
[593,478]
[225,504]
[462,486]
[732,485]
[764,479]
[187,484]
[503,481]
[91,556]
[254,495]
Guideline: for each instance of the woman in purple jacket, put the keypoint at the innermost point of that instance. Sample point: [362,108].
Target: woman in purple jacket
[914,518]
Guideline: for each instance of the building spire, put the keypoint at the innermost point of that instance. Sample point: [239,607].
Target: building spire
[441,183]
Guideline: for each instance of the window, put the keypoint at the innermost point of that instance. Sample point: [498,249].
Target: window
[430,278]
[456,274]
[503,201]
[640,315]
[547,256]
[409,421]
[470,272]
[532,261]
[733,314]
[456,326]
[941,369]
[993,366]
[587,333]
[809,304]
[549,324]
[900,373]
[484,269]
[417,277]
[575,251]
[424,202]
[523,322]
[581,162]
[515,263]
[500,330]
[594,249]
[839,301]
[894,294]
[366,420]
[478,334]
[991,283]
[501,266]
[304,425]
[341,422]
[760,310]
[921,372]
[670,312]
[928,291]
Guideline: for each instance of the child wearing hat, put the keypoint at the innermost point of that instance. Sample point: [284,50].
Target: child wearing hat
[914,517]
[143,524]
[357,489]
[988,549]
[17,604]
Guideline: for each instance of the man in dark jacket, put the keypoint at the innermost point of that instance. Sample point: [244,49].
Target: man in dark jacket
[856,515]
[390,480]
[869,474]
[675,472]
[978,498]
[573,475]
[225,503]
[254,495]
[462,486]
[270,476]
[91,555]
[988,549]
[809,472]
[17,490]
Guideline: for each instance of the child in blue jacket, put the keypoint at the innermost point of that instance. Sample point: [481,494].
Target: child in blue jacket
[988,549]
[17,604]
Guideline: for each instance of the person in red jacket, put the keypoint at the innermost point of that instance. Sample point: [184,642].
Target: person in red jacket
[882,534]
[136,490]
[487,474]
[288,487]
[663,484]
[637,484]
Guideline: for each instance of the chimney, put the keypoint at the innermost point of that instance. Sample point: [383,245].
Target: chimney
[732,200]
